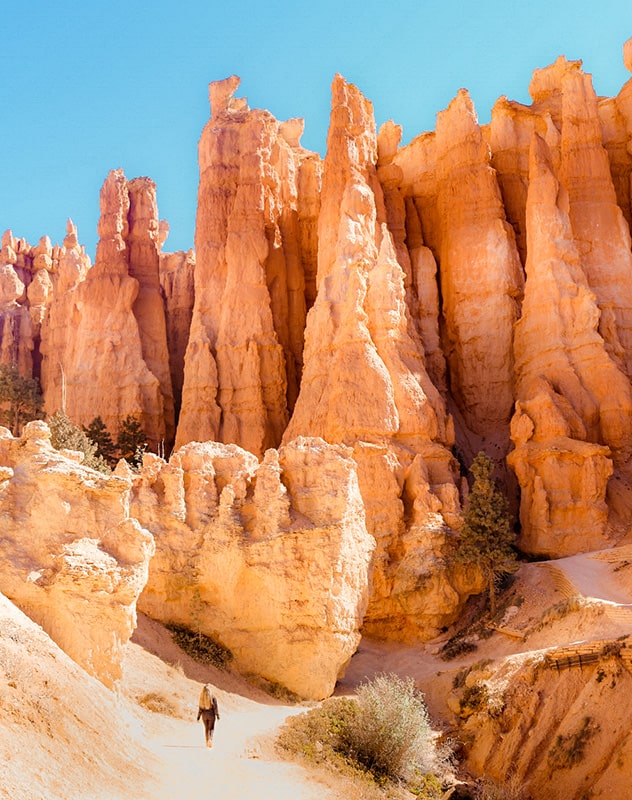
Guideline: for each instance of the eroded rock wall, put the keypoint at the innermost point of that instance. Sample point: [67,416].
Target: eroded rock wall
[375,301]
[365,382]
[271,559]
[104,341]
[71,557]
[253,241]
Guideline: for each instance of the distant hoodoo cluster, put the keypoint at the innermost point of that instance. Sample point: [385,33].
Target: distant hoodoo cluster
[323,366]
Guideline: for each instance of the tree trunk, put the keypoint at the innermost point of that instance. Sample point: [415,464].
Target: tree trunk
[492,593]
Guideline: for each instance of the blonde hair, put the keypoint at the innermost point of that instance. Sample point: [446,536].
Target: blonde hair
[206,698]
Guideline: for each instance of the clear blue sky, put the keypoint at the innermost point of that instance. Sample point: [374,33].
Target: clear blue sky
[90,86]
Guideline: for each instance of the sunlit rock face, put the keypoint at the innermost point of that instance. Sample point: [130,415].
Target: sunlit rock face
[71,557]
[406,306]
[365,383]
[104,342]
[574,408]
[254,241]
[271,559]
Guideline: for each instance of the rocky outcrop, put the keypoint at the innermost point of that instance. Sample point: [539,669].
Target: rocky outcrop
[105,333]
[574,406]
[26,287]
[71,557]
[373,301]
[481,277]
[244,358]
[143,244]
[365,385]
[551,732]
[270,559]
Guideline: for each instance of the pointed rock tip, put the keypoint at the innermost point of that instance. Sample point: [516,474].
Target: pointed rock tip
[220,95]
[548,80]
[292,130]
[388,138]
[627,54]
[70,240]
[461,105]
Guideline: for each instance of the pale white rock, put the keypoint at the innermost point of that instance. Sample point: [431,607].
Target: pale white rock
[71,557]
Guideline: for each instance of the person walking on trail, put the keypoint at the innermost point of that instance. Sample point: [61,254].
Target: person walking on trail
[209,711]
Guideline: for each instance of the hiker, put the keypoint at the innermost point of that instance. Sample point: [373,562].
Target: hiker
[209,711]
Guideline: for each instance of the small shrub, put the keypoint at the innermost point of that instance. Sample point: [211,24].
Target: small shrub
[474,698]
[511,789]
[569,750]
[562,610]
[131,441]
[427,787]
[200,647]
[392,736]
[21,399]
[158,704]
[457,646]
[385,732]
[318,734]
[65,435]
[459,679]
[611,649]
[274,689]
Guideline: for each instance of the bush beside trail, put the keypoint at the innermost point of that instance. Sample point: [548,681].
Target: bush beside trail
[383,734]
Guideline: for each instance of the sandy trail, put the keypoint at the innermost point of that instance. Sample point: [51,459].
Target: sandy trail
[593,577]
[234,767]
[242,762]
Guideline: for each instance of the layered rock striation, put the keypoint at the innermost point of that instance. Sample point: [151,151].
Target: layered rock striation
[574,405]
[104,340]
[365,382]
[254,238]
[380,316]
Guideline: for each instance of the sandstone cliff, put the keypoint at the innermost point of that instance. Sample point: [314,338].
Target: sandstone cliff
[270,559]
[414,304]
[244,358]
[365,384]
[71,556]
[572,397]
[104,342]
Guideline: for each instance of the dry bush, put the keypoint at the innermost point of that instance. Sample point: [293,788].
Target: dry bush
[200,646]
[565,608]
[569,750]
[392,734]
[510,789]
[385,734]
[158,704]
[474,698]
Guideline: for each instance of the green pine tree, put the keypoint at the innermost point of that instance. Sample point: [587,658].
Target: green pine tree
[65,435]
[20,399]
[487,538]
[131,441]
[98,433]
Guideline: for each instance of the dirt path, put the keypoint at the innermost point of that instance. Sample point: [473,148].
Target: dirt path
[242,762]
[236,767]
[593,576]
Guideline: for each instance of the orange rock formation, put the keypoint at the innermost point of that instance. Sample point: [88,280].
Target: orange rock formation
[271,559]
[244,358]
[406,306]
